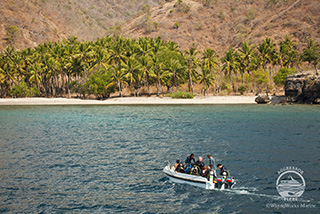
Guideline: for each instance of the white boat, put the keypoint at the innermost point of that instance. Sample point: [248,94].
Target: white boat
[198,181]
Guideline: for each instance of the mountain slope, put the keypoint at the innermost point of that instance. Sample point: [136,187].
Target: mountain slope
[39,21]
[220,24]
[216,24]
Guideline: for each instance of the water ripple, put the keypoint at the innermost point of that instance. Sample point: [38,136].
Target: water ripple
[109,159]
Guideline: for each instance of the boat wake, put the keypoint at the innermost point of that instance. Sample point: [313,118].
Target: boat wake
[253,192]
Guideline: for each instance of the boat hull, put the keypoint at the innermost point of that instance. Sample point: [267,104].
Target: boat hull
[198,181]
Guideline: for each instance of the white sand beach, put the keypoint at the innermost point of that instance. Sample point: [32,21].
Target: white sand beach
[209,100]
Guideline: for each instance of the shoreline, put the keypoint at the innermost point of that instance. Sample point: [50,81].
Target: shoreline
[210,100]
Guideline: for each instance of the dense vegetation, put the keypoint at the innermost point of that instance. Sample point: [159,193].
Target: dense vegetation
[111,64]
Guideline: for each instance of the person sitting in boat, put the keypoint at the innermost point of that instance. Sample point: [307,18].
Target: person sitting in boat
[189,159]
[205,172]
[180,168]
[200,163]
[223,170]
[177,163]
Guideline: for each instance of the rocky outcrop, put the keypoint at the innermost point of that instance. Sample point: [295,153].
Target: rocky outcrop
[262,99]
[303,88]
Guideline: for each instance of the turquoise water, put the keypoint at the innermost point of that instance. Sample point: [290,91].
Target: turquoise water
[109,159]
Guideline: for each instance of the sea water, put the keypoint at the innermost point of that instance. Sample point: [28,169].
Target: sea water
[109,159]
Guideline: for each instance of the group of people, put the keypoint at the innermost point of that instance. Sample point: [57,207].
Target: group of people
[199,166]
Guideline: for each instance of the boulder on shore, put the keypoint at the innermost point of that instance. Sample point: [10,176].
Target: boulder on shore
[262,99]
[303,88]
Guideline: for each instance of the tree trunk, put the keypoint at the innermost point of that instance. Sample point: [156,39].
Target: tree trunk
[191,84]
[63,85]
[146,83]
[161,89]
[68,82]
[157,84]
[57,87]
[315,66]
[237,83]
[119,85]
[242,77]
[175,81]
[134,90]
[54,91]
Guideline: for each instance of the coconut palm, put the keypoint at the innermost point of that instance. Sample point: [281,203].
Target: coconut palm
[133,71]
[210,60]
[117,52]
[160,74]
[246,53]
[172,46]
[84,53]
[289,53]
[118,78]
[206,78]
[229,63]
[146,63]
[175,69]
[101,61]
[267,49]
[311,54]
[191,61]
[35,74]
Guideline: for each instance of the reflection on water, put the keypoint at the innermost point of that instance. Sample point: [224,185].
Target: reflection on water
[110,159]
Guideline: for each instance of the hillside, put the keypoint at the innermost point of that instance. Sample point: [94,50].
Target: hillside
[217,24]
[39,21]
[220,24]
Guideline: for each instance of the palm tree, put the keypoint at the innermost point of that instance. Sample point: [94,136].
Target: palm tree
[206,78]
[84,53]
[50,70]
[229,63]
[118,78]
[132,68]
[289,53]
[191,66]
[2,82]
[146,63]
[117,52]
[210,60]
[174,68]
[246,53]
[172,46]
[268,54]
[12,67]
[266,51]
[101,60]
[35,74]
[311,54]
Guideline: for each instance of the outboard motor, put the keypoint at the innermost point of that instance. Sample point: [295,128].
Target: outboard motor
[224,182]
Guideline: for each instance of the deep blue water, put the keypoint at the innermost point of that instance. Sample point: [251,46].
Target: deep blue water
[109,159]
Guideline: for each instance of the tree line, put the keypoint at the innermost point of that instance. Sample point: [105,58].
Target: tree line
[110,64]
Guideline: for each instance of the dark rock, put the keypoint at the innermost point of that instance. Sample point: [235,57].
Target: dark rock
[303,88]
[278,99]
[262,99]
[316,101]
